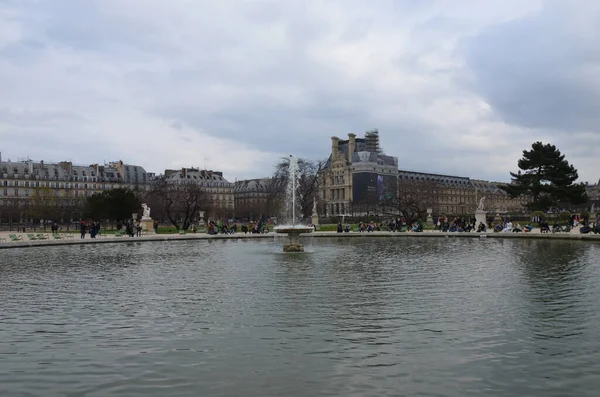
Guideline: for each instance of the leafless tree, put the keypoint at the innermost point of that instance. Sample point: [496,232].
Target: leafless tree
[308,184]
[179,203]
[414,198]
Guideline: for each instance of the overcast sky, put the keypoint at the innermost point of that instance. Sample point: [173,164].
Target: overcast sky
[455,87]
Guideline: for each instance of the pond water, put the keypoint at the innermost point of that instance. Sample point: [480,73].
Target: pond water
[353,317]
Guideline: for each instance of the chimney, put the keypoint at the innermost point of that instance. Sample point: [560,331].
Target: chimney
[30,166]
[351,146]
[334,145]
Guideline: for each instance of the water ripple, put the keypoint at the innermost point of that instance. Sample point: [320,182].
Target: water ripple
[354,317]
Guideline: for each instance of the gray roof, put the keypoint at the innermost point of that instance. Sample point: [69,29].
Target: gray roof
[251,185]
[361,155]
[195,175]
[132,174]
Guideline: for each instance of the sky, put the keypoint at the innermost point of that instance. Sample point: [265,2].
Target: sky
[454,87]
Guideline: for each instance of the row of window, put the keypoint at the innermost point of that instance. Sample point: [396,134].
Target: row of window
[27,193]
[58,185]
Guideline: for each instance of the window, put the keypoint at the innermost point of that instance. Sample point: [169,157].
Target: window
[16,192]
[16,183]
[26,192]
[4,183]
[5,192]
[37,184]
[77,185]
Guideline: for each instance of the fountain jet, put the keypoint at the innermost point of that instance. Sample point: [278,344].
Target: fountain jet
[291,229]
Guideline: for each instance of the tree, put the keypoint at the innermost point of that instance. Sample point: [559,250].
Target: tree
[414,198]
[306,188]
[43,204]
[547,177]
[115,204]
[179,203]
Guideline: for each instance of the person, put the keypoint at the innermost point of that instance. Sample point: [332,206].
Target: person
[155,224]
[339,227]
[508,227]
[481,228]
[82,229]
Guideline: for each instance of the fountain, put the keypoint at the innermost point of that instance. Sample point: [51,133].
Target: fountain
[292,230]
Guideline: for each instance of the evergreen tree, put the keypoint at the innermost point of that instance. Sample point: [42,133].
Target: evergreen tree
[547,178]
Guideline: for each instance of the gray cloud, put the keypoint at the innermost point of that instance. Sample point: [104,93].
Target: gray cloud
[458,90]
[542,71]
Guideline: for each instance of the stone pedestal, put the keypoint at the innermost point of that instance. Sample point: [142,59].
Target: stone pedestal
[480,216]
[315,219]
[429,221]
[147,225]
[294,244]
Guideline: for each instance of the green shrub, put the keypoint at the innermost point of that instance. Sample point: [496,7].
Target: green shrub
[584,214]
[565,215]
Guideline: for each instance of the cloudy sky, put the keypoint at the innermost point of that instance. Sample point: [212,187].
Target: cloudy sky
[455,87]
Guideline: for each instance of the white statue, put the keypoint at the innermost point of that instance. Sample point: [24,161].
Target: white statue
[146,213]
[481,202]
[314,212]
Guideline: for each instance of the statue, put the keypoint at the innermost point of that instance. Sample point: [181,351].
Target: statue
[314,211]
[481,202]
[146,213]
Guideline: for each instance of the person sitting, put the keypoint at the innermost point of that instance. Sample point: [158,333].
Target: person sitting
[544,227]
[508,227]
[481,228]
[585,229]
[517,228]
[527,228]
[339,228]
[347,228]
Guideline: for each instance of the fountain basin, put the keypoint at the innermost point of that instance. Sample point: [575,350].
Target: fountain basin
[293,233]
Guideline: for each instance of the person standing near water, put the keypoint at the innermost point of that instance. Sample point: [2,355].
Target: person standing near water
[82,229]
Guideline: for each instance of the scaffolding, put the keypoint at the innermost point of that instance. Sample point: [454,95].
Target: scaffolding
[372,141]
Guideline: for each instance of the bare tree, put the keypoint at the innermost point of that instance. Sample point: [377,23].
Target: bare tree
[179,203]
[414,198]
[308,184]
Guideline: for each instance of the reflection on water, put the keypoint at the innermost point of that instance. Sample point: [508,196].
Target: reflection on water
[353,317]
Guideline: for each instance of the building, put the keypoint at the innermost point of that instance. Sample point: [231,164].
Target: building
[448,194]
[252,198]
[24,184]
[218,189]
[593,192]
[444,194]
[357,176]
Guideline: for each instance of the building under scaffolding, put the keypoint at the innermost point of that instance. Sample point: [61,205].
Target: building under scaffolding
[372,141]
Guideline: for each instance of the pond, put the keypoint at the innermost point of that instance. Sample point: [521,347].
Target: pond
[352,317]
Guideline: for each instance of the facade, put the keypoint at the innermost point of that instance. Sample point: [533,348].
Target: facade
[444,194]
[357,176]
[25,183]
[219,190]
[458,195]
[251,198]
[593,192]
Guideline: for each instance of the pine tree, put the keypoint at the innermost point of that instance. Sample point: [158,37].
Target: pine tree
[547,178]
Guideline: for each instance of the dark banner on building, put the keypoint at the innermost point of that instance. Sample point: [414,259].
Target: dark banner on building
[369,187]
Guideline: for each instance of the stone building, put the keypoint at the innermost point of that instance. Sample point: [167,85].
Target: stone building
[66,185]
[218,189]
[251,198]
[448,194]
[357,176]
[444,194]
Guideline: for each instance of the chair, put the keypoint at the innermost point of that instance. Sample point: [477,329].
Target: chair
[14,237]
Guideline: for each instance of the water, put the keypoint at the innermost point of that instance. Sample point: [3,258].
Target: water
[291,204]
[355,317]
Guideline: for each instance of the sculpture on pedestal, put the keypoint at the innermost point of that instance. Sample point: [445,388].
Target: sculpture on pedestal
[146,213]
[480,214]
[481,204]
[315,216]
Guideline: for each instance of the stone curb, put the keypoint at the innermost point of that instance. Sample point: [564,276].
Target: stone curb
[238,236]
